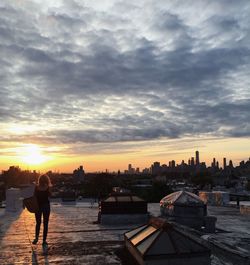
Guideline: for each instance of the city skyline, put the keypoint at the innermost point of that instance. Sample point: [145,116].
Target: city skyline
[194,160]
[108,83]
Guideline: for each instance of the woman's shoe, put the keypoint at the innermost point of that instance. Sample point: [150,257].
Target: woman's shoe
[34,242]
[45,244]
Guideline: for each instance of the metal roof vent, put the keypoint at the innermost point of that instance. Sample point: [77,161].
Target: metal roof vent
[160,243]
[121,208]
[187,209]
[183,198]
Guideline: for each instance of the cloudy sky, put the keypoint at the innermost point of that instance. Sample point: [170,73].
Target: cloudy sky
[105,83]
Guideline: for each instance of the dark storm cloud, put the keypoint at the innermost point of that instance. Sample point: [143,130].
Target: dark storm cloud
[104,75]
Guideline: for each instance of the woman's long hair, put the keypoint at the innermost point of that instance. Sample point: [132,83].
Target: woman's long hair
[44,180]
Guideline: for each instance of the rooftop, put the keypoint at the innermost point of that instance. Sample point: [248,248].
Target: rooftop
[75,237]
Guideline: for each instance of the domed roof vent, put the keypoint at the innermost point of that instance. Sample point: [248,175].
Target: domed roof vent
[185,208]
[181,198]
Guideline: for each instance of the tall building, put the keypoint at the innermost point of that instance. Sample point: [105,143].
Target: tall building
[146,171]
[197,158]
[131,170]
[156,168]
[231,163]
[78,175]
[214,162]
[171,163]
[224,163]
[192,161]
[242,163]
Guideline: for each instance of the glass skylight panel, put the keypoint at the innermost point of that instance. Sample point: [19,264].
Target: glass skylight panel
[144,245]
[145,233]
[135,231]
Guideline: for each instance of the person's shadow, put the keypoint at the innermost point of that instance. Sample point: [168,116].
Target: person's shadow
[35,260]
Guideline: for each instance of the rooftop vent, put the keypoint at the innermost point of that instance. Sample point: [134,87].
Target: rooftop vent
[187,209]
[122,207]
[182,198]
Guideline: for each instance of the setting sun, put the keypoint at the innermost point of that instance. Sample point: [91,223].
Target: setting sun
[32,155]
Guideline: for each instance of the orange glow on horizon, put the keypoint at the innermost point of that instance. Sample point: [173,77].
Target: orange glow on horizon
[62,159]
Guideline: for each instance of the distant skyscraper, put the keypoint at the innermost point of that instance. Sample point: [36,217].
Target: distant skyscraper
[242,163]
[197,159]
[172,163]
[192,161]
[78,175]
[131,170]
[224,163]
[214,162]
[156,168]
[146,171]
[203,165]
[231,163]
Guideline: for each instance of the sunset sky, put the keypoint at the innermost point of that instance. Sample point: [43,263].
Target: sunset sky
[106,83]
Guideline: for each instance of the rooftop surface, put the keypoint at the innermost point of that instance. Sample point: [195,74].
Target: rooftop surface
[75,237]
[234,234]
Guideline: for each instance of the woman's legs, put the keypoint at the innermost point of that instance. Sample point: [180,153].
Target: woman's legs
[46,213]
[38,225]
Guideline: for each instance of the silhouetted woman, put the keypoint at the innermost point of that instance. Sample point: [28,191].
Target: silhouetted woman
[42,193]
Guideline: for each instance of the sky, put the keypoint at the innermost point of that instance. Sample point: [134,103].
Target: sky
[107,83]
